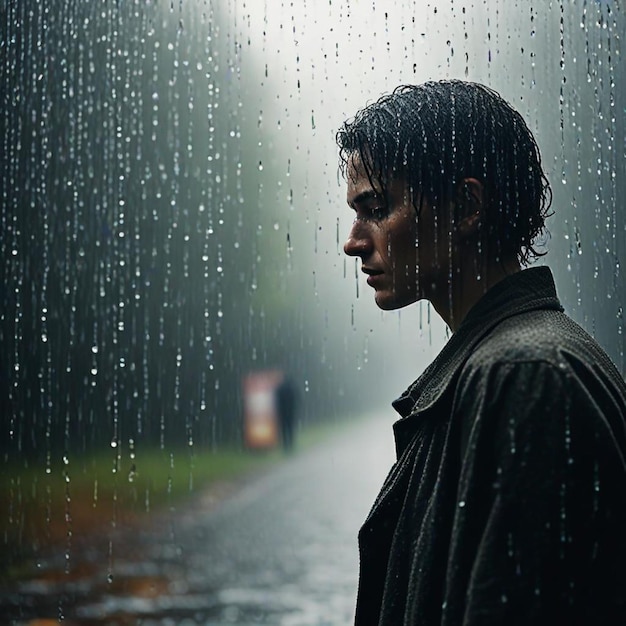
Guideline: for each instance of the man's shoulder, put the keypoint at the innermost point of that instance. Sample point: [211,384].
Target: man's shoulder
[533,335]
[544,339]
[538,364]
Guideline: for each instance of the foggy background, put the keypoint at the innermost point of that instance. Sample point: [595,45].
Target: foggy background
[172,217]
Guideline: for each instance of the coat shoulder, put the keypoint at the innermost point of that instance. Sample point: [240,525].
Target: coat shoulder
[546,337]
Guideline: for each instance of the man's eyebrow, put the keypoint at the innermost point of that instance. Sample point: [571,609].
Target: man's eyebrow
[364,196]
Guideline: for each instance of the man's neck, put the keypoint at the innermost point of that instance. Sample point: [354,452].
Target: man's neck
[468,287]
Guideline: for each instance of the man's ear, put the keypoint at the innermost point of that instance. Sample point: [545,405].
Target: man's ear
[470,203]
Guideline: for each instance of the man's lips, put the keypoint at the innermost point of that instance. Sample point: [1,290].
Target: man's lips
[372,274]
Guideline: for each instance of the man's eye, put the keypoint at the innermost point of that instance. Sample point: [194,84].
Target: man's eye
[379,213]
[373,214]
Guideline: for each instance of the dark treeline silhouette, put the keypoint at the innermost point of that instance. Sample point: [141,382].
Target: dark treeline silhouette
[131,202]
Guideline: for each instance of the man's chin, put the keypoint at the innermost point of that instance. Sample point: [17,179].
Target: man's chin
[390,302]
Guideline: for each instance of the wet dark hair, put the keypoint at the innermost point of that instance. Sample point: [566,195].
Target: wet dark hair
[435,134]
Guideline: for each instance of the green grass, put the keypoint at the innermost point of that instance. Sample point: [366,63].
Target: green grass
[86,494]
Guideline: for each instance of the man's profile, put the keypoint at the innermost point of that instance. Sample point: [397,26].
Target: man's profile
[507,504]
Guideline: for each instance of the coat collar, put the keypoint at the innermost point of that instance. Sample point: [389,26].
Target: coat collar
[527,290]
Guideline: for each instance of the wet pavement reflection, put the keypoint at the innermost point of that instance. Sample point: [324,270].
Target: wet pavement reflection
[280,549]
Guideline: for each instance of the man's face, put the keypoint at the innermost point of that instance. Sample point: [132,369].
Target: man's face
[400,252]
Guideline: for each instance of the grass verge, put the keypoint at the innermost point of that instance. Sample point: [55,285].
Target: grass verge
[80,496]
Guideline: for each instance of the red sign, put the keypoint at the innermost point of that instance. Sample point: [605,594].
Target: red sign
[260,424]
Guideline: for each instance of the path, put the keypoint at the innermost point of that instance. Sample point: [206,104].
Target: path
[280,551]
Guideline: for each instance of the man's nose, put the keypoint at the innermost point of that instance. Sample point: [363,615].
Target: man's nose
[358,243]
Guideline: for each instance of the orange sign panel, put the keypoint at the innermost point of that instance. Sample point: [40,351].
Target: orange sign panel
[260,426]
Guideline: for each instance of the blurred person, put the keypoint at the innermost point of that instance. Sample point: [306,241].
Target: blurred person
[286,400]
[507,503]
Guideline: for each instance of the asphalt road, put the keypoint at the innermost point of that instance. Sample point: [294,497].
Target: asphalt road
[282,550]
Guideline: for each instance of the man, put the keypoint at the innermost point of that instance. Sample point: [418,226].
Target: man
[507,504]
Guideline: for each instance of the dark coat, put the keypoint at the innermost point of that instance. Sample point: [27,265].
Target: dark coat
[507,504]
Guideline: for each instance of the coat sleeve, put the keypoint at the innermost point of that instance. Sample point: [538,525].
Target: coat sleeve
[539,527]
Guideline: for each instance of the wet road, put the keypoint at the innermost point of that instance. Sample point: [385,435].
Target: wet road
[282,550]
